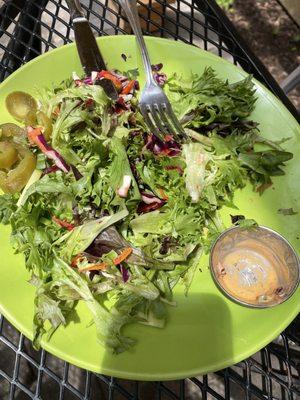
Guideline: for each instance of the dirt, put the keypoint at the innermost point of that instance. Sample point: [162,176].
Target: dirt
[272,36]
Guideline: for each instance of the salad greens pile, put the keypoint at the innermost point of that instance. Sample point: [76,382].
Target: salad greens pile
[112,215]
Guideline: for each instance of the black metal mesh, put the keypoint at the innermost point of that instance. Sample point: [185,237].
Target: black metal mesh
[48,22]
[271,374]
[28,28]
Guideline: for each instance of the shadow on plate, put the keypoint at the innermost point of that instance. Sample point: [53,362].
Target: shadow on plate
[196,339]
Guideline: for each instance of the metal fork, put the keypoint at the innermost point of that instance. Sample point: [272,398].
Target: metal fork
[154,104]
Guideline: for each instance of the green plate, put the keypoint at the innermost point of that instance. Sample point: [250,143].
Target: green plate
[206,332]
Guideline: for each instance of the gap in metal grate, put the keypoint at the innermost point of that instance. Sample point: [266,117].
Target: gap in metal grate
[7,359]
[54,365]
[49,387]
[28,375]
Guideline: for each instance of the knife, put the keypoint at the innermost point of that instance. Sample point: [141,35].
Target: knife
[88,51]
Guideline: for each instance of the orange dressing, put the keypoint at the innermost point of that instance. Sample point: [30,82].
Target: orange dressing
[251,271]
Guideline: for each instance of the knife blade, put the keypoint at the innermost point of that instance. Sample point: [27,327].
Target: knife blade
[88,50]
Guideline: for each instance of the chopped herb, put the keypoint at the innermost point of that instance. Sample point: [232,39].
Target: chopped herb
[287,211]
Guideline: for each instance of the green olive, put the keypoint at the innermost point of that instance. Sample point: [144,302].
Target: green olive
[20,104]
[8,130]
[8,155]
[17,178]
[44,121]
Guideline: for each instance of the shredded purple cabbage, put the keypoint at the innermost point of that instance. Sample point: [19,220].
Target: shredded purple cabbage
[53,154]
[76,173]
[149,202]
[143,208]
[157,67]
[160,78]
[125,273]
[122,78]
[149,198]
[88,81]
[169,147]
[49,170]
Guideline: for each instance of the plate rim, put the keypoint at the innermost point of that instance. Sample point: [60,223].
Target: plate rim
[232,359]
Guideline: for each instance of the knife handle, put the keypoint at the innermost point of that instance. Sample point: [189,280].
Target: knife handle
[75,9]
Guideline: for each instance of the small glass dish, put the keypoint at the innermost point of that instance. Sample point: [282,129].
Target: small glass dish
[256,267]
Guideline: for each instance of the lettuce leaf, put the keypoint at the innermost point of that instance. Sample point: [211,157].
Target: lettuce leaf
[202,100]
[108,322]
[82,236]
[106,141]
[196,159]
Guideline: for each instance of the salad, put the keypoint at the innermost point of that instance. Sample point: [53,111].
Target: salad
[105,212]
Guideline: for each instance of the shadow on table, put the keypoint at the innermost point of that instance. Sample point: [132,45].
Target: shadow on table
[196,339]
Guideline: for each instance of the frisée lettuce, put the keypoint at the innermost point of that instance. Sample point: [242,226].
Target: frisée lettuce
[114,216]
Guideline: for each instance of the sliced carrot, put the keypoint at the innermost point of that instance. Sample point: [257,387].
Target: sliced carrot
[64,224]
[103,265]
[111,77]
[32,134]
[94,267]
[128,88]
[77,259]
[163,194]
[124,254]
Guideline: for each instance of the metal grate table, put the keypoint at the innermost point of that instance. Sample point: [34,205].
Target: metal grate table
[29,28]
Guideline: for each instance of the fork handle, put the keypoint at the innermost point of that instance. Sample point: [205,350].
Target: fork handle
[130,9]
